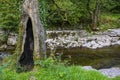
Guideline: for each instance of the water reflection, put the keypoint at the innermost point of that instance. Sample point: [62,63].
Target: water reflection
[98,58]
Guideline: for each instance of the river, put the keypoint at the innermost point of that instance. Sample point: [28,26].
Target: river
[105,57]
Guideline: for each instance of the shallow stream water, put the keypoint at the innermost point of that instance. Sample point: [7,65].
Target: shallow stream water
[105,57]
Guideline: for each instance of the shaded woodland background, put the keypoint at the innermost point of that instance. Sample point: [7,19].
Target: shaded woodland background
[64,14]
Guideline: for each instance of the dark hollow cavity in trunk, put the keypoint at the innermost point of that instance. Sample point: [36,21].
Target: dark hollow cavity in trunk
[26,59]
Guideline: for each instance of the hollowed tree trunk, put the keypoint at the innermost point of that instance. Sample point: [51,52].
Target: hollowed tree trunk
[31,44]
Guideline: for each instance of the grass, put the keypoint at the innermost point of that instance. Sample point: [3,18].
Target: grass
[50,70]
[109,20]
[52,73]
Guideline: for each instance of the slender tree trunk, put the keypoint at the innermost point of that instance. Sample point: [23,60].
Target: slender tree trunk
[31,36]
[94,14]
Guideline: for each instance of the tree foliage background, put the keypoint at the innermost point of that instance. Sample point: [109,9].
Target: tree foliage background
[62,14]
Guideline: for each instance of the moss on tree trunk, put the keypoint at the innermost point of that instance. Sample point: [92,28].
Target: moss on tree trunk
[31,43]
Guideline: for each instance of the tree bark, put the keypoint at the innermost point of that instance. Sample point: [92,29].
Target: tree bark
[31,35]
[94,14]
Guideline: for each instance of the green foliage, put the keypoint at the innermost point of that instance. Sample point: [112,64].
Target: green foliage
[51,61]
[58,72]
[9,18]
[9,15]
[63,12]
[70,11]
[45,63]
[66,13]
[109,20]
[50,69]
[58,13]
[43,12]
[111,6]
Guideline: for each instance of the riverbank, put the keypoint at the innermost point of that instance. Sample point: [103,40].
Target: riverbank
[72,38]
[82,38]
